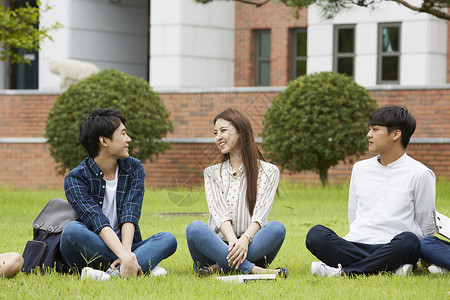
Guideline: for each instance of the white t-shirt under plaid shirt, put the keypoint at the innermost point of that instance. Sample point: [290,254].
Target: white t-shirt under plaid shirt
[226,196]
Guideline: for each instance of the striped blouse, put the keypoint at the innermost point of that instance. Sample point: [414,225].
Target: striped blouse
[225,194]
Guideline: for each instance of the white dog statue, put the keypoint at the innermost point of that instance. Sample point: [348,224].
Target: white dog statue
[71,70]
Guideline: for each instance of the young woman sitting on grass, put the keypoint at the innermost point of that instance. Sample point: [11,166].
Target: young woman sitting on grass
[239,191]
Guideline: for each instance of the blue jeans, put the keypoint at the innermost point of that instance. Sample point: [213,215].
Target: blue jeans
[207,248]
[435,251]
[81,247]
[361,258]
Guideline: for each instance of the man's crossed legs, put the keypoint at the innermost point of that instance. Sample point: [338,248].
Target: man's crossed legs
[400,254]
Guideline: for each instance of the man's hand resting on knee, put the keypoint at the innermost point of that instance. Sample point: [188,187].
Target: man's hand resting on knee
[129,266]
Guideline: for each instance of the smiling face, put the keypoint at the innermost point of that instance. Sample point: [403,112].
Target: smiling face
[226,137]
[117,146]
[380,140]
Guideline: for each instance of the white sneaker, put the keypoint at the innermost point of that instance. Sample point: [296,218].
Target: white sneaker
[404,270]
[437,270]
[158,271]
[89,273]
[320,269]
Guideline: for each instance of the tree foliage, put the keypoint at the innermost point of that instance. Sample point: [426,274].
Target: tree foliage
[147,119]
[319,120]
[330,8]
[19,30]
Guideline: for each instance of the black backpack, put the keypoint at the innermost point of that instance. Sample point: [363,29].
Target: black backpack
[42,253]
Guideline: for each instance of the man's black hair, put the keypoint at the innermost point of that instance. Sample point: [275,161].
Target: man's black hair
[395,117]
[100,122]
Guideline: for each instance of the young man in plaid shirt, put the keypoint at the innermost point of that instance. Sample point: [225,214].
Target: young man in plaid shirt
[106,190]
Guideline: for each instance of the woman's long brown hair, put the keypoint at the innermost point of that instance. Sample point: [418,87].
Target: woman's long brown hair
[249,151]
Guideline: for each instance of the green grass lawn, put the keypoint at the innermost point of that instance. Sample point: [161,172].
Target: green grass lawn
[298,208]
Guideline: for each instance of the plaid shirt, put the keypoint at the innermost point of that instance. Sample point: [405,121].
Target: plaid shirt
[85,191]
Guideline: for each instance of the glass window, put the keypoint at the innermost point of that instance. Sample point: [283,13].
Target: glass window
[262,57]
[299,52]
[390,39]
[344,49]
[346,40]
[345,65]
[389,53]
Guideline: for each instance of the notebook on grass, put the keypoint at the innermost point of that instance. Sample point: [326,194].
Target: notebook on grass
[442,224]
[247,277]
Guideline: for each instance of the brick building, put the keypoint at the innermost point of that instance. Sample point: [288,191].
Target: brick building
[389,45]
[203,58]
[178,44]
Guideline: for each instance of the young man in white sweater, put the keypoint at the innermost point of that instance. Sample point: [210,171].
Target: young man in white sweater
[391,204]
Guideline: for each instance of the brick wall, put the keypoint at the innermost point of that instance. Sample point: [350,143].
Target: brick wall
[279,19]
[431,108]
[24,115]
[170,170]
[29,166]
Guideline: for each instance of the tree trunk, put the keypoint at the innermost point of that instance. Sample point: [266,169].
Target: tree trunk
[323,172]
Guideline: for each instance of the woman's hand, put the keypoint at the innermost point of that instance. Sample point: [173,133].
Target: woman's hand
[237,252]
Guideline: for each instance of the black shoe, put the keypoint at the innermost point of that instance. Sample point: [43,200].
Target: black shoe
[283,272]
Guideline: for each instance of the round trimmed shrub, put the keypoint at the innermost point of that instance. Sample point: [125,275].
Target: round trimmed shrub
[319,120]
[147,120]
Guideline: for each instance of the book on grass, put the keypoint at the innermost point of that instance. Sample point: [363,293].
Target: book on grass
[247,277]
[442,224]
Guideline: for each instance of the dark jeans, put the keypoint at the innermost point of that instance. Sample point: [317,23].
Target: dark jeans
[81,247]
[436,251]
[360,258]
